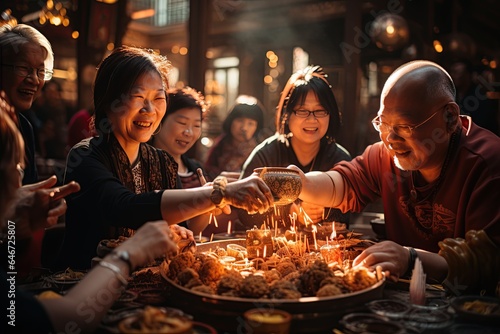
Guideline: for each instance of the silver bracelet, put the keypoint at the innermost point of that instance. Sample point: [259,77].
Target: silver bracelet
[115,270]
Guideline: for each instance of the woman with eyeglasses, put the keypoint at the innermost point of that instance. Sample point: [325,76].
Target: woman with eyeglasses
[437,173]
[307,121]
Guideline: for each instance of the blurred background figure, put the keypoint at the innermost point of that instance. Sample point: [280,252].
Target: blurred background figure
[239,137]
[79,127]
[471,95]
[53,114]
[240,131]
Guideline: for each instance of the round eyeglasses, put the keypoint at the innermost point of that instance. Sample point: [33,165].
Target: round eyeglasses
[401,130]
[302,113]
[25,71]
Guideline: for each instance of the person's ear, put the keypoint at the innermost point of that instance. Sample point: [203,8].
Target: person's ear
[452,112]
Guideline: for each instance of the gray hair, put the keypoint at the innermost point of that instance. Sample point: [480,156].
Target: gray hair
[14,37]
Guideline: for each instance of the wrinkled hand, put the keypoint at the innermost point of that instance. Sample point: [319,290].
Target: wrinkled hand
[393,259]
[231,176]
[150,241]
[250,194]
[39,205]
[184,238]
[308,213]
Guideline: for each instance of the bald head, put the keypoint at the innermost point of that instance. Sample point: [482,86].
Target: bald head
[420,80]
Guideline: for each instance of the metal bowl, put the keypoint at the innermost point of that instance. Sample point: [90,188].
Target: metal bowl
[309,314]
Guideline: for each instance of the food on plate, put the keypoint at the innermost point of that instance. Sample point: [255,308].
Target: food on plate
[156,320]
[68,275]
[283,277]
[481,307]
[49,294]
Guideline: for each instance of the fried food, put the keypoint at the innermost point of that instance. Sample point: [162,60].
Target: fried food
[155,320]
[178,263]
[254,286]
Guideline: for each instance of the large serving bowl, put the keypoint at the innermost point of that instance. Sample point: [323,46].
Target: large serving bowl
[284,183]
[309,314]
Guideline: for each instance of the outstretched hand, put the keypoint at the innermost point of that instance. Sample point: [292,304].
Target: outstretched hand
[392,257]
[39,205]
[151,241]
[250,194]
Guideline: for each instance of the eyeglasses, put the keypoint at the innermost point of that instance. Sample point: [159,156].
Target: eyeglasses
[25,71]
[400,130]
[302,113]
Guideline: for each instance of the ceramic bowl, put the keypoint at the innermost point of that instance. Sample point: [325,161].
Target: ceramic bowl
[284,183]
[262,321]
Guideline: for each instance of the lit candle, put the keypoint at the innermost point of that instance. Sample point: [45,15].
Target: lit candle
[229,227]
[314,230]
[334,232]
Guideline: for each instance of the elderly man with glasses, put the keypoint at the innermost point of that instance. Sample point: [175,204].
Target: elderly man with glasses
[438,173]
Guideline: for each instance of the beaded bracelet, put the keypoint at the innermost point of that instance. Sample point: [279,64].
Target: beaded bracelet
[115,270]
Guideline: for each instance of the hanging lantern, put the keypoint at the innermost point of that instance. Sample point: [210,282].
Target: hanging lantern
[390,32]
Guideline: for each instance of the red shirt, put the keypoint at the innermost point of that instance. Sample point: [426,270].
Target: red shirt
[467,197]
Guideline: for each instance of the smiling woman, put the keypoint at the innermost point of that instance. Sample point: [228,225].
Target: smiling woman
[126,182]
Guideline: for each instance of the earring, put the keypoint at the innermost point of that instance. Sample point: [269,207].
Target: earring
[158,129]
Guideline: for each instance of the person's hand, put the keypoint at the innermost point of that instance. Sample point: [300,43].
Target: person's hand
[231,176]
[392,257]
[39,205]
[308,213]
[184,238]
[152,240]
[250,194]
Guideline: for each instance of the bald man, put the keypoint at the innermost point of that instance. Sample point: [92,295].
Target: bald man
[438,174]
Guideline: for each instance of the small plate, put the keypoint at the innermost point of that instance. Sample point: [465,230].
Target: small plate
[370,323]
[152,296]
[165,318]
[393,309]
[201,328]
[477,308]
[126,297]
[65,279]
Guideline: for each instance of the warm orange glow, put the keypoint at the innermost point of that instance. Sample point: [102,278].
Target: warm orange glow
[175,49]
[437,46]
[142,14]
[493,64]
[269,54]
[75,34]
[390,29]
[183,51]
[268,79]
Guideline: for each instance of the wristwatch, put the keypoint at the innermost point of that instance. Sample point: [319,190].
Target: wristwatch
[125,257]
[218,192]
